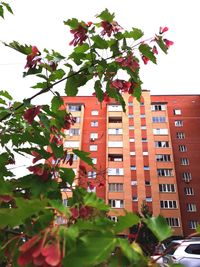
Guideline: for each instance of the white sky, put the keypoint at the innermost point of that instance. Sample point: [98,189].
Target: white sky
[40,23]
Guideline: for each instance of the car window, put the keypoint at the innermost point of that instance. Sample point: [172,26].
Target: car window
[193,249]
[172,248]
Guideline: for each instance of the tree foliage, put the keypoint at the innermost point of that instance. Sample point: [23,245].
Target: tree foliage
[37,228]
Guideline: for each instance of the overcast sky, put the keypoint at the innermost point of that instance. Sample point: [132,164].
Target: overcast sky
[40,23]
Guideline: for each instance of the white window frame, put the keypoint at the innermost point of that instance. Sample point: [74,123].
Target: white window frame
[115,107]
[168,204]
[71,144]
[193,224]
[182,148]
[115,187]
[92,175]
[93,147]
[115,143]
[184,161]
[158,107]
[94,123]
[177,111]
[173,222]
[180,135]
[165,172]
[116,203]
[94,112]
[191,207]
[167,188]
[189,191]
[178,123]
[114,131]
[94,160]
[160,131]
[115,171]
[93,136]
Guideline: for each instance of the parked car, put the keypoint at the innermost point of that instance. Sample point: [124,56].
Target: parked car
[157,255]
[186,252]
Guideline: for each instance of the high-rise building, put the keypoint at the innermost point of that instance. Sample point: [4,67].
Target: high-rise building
[148,153]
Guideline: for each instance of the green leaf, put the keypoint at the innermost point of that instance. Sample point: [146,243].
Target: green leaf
[56,103]
[6,95]
[135,34]
[113,93]
[92,249]
[67,175]
[90,199]
[58,205]
[1,11]
[106,15]
[99,92]
[7,7]
[81,48]
[41,85]
[146,50]
[198,229]
[99,42]
[159,227]
[24,49]
[137,92]
[114,46]
[126,221]
[161,44]
[58,151]
[74,82]
[83,156]
[57,75]
[72,23]
[2,101]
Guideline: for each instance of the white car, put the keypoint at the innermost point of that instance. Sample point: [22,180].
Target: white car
[186,252]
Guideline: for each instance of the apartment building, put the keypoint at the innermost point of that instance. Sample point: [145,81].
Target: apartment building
[138,156]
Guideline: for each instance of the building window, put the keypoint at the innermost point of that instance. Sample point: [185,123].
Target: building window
[72,132]
[187,176]
[184,161]
[145,153]
[113,218]
[158,107]
[178,123]
[163,157]
[132,153]
[74,107]
[115,157]
[133,168]
[130,104]
[65,200]
[148,199]
[115,144]
[133,183]
[94,160]
[142,116]
[132,140]
[94,123]
[144,140]
[115,171]
[114,131]
[193,224]
[116,203]
[71,144]
[92,174]
[93,136]
[173,222]
[77,119]
[148,183]
[115,108]
[182,148]
[180,135]
[131,116]
[115,187]
[168,204]
[164,172]
[177,112]
[94,112]
[115,119]
[191,207]
[93,147]
[160,119]
[188,191]
[131,127]
[71,156]
[161,144]
[167,188]
[134,198]
[146,168]
[141,104]
[160,131]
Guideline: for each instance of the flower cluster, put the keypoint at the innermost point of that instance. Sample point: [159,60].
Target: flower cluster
[31,113]
[129,61]
[41,251]
[121,85]
[43,171]
[33,59]
[68,121]
[109,28]
[80,35]
[82,212]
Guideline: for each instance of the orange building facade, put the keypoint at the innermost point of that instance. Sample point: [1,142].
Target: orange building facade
[136,154]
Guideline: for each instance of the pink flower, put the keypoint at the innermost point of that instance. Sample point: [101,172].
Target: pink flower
[128,61]
[168,43]
[162,30]
[33,58]
[145,59]
[154,50]
[31,113]
[40,170]
[121,85]
[109,28]
[80,35]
